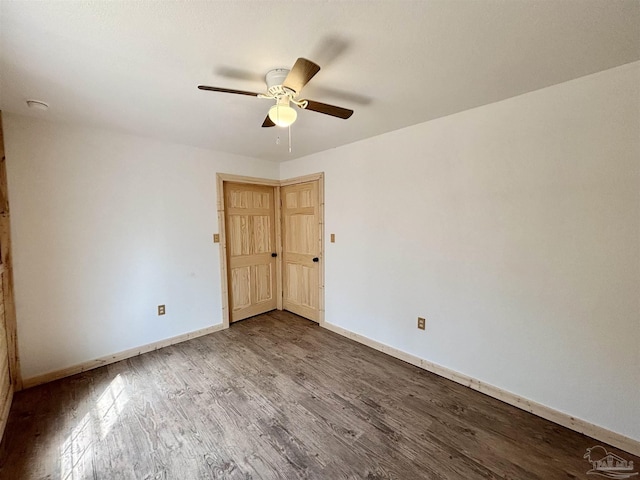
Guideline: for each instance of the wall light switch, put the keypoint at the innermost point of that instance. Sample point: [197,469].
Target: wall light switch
[333,238]
[161,310]
[216,238]
[421,323]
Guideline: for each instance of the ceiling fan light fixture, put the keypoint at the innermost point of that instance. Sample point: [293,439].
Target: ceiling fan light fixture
[282,115]
[284,87]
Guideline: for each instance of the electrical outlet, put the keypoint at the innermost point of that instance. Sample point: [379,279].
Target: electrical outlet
[161,310]
[421,323]
[216,238]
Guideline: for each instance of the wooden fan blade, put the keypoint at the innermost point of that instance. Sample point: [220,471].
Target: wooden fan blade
[300,74]
[268,123]
[227,90]
[332,110]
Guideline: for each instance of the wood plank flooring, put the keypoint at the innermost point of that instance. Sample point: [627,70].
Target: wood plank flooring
[273,397]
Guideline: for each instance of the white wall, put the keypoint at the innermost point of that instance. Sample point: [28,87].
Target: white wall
[105,228]
[515,229]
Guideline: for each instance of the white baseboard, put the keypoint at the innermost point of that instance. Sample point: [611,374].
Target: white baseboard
[607,436]
[116,357]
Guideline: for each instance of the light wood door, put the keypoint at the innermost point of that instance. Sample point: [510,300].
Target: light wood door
[250,236]
[8,357]
[301,249]
[5,377]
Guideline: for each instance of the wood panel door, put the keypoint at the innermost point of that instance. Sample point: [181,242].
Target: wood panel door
[250,236]
[9,377]
[301,249]
[5,372]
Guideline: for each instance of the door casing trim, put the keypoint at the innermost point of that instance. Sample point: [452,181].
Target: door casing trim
[224,283]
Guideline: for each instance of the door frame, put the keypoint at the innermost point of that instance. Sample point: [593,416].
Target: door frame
[221,178]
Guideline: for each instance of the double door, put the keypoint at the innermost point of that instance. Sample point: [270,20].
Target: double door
[273,249]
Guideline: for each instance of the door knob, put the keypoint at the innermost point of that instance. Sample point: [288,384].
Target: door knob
[274,255]
[316,259]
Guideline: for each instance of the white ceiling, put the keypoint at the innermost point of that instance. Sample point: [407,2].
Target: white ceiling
[134,66]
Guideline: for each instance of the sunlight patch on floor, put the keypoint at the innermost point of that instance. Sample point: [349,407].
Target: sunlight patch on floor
[76,452]
[110,405]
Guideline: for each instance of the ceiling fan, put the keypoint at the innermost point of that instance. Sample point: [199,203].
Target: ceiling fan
[284,86]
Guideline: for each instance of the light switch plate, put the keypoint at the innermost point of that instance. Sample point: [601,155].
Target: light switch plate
[216,238]
[161,310]
[333,238]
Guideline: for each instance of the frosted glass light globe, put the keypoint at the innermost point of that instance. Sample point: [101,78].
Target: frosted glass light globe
[282,115]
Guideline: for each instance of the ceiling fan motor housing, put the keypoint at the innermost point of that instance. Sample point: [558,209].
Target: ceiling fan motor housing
[276,77]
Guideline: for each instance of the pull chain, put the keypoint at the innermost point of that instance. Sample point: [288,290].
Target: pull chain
[278,139]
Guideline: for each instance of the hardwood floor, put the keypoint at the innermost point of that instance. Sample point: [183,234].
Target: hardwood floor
[276,396]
